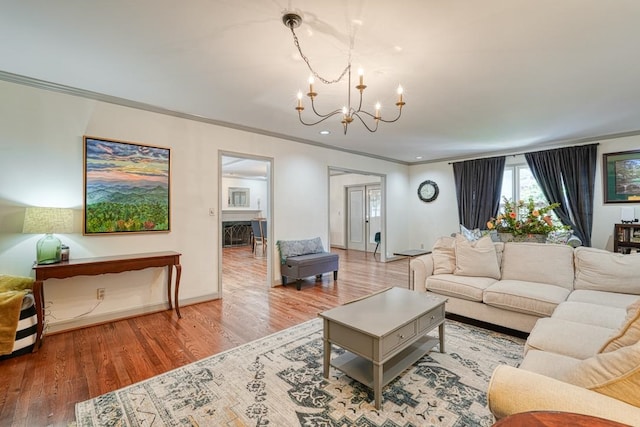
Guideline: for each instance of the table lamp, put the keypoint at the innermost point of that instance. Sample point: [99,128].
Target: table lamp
[48,221]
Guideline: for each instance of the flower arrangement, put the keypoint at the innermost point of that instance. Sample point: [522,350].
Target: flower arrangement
[524,218]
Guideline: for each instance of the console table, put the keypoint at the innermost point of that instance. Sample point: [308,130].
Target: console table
[102,265]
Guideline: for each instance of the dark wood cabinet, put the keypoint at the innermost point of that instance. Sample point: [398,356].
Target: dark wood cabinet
[626,238]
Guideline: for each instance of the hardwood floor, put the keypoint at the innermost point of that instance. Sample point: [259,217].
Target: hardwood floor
[41,389]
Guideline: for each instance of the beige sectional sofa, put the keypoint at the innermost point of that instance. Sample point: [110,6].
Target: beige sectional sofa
[581,307]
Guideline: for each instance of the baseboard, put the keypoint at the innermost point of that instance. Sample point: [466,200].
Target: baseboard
[83,322]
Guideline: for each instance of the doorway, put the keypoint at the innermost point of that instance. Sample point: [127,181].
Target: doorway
[356,210]
[364,216]
[245,196]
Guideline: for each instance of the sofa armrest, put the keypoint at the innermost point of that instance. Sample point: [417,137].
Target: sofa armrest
[421,267]
[512,390]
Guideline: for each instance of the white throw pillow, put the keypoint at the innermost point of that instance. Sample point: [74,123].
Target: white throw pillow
[444,257]
[477,258]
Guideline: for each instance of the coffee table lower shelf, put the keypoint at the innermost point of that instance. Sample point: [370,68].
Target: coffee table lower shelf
[361,369]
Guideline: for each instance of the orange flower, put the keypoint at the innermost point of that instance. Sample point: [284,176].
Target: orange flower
[535,213]
[490,225]
[512,215]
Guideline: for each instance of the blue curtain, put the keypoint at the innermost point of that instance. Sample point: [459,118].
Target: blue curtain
[478,188]
[570,172]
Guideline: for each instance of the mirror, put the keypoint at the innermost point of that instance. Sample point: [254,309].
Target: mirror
[238,197]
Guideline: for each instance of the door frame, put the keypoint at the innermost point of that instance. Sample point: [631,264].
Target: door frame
[268,212]
[331,170]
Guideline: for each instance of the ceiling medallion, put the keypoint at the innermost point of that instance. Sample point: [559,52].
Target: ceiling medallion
[348,113]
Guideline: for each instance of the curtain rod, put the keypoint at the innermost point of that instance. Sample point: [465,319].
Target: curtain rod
[526,152]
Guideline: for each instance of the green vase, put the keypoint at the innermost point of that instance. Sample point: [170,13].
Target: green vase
[48,250]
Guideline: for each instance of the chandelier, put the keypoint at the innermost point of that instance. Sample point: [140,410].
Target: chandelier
[348,113]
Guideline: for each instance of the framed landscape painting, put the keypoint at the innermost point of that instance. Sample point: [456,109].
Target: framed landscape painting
[621,174]
[126,187]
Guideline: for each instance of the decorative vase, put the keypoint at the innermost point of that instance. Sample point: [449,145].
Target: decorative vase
[536,238]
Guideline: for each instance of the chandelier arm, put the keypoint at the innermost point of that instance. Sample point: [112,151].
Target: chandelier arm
[394,120]
[296,42]
[319,121]
[356,114]
[313,107]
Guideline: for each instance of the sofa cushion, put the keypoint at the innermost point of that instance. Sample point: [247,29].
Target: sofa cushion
[468,288]
[590,314]
[609,299]
[615,374]
[444,256]
[538,299]
[552,365]
[477,258]
[601,270]
[573,339]
[629,332]
[538,262]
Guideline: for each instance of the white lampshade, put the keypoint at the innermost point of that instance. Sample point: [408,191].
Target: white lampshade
[48,220]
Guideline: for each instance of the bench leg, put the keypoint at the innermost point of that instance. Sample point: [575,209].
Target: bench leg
[335,275]
[284,280]
[298,284]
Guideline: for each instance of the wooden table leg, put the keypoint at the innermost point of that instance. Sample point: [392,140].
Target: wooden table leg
[38,296]
[441,336]
[178,274]
[326,359]
[377,383]
[169,283]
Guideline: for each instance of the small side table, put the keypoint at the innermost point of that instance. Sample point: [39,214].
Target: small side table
[411,253]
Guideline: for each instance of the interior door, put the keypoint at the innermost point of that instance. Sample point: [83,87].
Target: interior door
[364,217]
[373,219]
[356,223]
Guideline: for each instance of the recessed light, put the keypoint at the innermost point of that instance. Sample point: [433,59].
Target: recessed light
[324,132]
[418,157]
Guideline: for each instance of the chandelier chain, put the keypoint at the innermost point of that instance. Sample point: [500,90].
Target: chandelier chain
[315,74]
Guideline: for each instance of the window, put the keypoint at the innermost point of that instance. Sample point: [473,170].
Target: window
[518,183]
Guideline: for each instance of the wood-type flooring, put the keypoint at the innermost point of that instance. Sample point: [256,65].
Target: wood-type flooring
[41,389]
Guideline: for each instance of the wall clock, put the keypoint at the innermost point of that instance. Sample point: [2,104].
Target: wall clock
[428,191]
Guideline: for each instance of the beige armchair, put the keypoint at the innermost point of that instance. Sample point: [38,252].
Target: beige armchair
[513,390]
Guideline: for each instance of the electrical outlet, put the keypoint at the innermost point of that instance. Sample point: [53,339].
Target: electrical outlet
[100,294]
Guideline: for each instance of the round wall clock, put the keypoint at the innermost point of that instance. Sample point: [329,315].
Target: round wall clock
[428,191]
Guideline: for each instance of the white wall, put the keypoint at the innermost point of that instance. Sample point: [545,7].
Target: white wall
[257,193]
[41,164]
[440,218]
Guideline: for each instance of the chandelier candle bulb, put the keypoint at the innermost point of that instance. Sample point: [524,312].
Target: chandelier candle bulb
[361,76]
[400,90]
[300,107]
[311,81]
[377,111]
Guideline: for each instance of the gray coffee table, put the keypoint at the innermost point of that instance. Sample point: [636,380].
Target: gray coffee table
[383,334]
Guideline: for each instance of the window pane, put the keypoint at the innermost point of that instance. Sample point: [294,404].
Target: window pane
[507,184]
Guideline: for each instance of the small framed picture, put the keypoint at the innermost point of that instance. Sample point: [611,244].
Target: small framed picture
[126,187]
[621,176]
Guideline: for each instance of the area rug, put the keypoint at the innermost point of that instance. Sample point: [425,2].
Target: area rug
[278,381]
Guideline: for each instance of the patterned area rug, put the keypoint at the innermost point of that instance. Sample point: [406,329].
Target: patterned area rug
[277,381]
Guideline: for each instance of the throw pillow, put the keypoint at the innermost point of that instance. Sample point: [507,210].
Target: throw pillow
[477,258]
[444,257]
[471,235]
[629,332]
[615,374]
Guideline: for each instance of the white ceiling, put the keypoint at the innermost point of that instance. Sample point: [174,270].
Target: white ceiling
[479,76]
